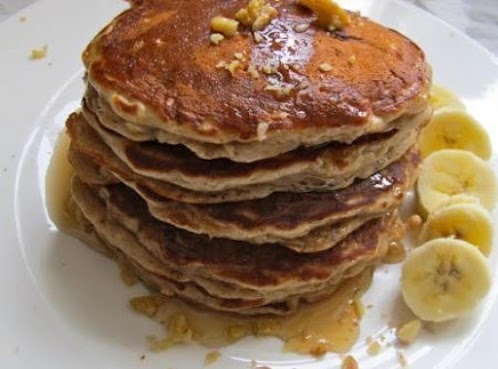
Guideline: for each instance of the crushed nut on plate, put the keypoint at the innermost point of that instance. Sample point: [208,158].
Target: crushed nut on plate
[408,332]
[39,53]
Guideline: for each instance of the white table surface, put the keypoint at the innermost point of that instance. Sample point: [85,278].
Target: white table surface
[477,18]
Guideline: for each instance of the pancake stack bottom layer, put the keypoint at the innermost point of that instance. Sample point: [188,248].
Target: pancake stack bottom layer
[210,186]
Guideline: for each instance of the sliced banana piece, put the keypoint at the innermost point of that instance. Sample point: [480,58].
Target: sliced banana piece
[455,129]
[467,222]
[441,97]
[444,279]
[459,199]
[448,173]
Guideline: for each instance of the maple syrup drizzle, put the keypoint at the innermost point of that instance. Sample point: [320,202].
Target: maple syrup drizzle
[58,187]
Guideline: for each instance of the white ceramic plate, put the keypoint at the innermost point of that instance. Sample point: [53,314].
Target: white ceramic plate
[63,306]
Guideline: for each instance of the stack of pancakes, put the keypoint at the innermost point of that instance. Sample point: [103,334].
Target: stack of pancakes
[245,191]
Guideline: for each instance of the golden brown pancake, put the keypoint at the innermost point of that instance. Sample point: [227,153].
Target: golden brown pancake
[316,240]
[155,67]
[323,168]
[224,268]
[283,216]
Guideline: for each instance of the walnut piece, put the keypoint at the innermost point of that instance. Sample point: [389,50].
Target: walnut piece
[325,67]
[329,15]
[146,305]
[226,26]
[39,53]
[374,348]
[409,331]
[257,14]
[235,332]
[216,38]
[212,357]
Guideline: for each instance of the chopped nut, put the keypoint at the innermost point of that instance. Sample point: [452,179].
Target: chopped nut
[236,331]
[261,130]
[303,27]
[232,67]
[147,305]
[221,64]
[395,253]
[267,69]
[373,348]
[359,308]
[257,14]
[279,90]
[257,37]
[261,22]
[329,15]
[226,26]
[238,56]
[216,38]
[39,53]
[212,357]
[349,362]
[253,72]
[156,344]
[179,332]
[325,67]
[179,327]
[415,221]
[127,276]
[408,332]
[352,60]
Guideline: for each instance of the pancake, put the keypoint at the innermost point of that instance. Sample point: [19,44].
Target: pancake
[190,100]
[316,240]
[342,163]
[250,273]
[326,167]
[283,216]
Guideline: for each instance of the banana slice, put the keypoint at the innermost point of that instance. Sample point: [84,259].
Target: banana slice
[467,222]
[444,98]
[458,200]
[444,279]
[454,129]
[448,173]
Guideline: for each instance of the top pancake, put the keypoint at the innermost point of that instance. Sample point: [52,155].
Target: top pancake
[156,68]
